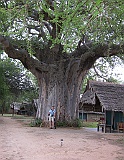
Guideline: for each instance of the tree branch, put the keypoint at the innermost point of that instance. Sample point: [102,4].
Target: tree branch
[27,60]
[106,50]
[90,56]
[39,29]
[53,28]
[99,74]
[50,3]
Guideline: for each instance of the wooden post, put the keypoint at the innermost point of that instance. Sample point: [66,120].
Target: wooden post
[105,122]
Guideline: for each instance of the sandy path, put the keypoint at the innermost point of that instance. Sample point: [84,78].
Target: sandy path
[19,142]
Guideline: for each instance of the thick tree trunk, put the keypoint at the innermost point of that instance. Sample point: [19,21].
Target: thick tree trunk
[60,74]
[60,88]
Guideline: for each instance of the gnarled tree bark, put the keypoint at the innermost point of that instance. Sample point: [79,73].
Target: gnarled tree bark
[59,75]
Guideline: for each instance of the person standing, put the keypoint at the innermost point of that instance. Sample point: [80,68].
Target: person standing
[51,117]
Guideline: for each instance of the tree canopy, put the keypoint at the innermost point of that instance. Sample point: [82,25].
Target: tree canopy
[31,26]
[34,24]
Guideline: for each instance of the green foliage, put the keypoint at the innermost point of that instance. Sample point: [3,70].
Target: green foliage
[104,70]
[74,123]
[15,83]
[36,123]
[62,123]
[4,89]
[90,124]
[27,96]
[99,19]
[28,24]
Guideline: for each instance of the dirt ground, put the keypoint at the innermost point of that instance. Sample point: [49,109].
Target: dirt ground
[18,141]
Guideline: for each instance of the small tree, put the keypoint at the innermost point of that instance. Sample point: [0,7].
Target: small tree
[16,84]
[4,89]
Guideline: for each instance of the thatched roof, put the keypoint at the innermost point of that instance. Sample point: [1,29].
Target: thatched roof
[110,95]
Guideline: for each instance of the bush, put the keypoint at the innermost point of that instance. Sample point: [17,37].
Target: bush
[62,123]
[74,123]
[36,123]
[77,123]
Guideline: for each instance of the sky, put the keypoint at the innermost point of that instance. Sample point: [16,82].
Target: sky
[120,70]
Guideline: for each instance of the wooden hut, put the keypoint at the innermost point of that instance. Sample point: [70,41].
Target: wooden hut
[15,107]
[107,98]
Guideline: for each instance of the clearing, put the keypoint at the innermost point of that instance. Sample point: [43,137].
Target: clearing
[18,141]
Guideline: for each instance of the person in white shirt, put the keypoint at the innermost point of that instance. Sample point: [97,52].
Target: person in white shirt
[51,117]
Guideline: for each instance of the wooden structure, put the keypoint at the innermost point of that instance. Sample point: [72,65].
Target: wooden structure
[15,107]
[90,116]
[107,98]
[24,108]
[120,126]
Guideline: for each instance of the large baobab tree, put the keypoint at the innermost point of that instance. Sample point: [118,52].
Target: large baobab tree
[59,41]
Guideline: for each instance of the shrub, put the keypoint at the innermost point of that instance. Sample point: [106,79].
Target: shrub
[62,123]
[77,123]
[74,123]
[36,123]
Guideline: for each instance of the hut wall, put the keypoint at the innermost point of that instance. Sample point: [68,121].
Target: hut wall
[118,117]
[88,107]
[93,117]
[108,117]
[113,117]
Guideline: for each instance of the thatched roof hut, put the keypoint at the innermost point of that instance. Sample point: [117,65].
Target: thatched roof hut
[105,97]
[110,95]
